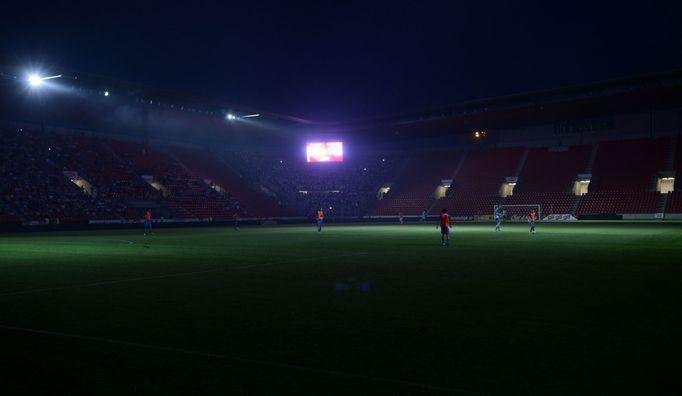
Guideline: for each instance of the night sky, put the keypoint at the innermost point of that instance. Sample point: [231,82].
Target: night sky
[330,61]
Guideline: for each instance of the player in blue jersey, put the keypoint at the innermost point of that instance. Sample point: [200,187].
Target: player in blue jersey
[498,222]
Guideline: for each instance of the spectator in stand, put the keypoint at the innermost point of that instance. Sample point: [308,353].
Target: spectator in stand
[349,187]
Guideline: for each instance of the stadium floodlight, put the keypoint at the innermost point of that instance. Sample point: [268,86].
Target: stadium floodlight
[35,80]
[106,93]
[231,116]
[251,115]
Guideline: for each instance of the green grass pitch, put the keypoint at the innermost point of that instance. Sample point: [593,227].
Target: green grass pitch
[576,308]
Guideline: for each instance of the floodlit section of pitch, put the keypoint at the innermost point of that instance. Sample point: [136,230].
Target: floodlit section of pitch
[354,309]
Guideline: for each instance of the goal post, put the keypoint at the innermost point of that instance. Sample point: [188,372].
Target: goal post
[517,212]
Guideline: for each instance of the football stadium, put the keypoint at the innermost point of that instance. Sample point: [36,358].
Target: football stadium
[158,237]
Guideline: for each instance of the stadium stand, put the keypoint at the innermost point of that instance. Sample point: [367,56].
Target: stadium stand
[6,216]
[348,188]
[674,202]
[40,170]
[623,177]
[553,170]
[34,185]
[213,171]
[414,190]
[475,189]
[606,202]
[114,183]
[48,177]
[547,179]
[629,164]
[186,194]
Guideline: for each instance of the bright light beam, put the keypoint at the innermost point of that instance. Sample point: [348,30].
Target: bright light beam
[251,115]
[35,80]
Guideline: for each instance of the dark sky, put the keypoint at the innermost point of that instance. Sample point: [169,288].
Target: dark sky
[343,60]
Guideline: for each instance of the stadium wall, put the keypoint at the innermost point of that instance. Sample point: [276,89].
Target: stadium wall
[657,123]
[570,132]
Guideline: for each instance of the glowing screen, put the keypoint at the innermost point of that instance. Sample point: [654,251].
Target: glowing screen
[324,152]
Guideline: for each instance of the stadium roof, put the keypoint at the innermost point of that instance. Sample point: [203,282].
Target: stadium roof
[609,88]
[531,108]
[638,93]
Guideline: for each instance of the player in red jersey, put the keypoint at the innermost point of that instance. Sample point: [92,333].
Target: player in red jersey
[531,221]
[319,218]
[445,227]
[148,222]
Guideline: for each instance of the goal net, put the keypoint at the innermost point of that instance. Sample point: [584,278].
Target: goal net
[517,212]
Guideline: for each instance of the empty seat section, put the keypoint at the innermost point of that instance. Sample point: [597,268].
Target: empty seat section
[623,177]
[207,166]
[414,190]
[547,179]
[475,189]
[674,204]
[189,195]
